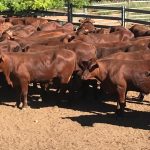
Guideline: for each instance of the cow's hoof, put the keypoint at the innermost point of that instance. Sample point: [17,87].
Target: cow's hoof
[141,99]
[24,107]
[17,105]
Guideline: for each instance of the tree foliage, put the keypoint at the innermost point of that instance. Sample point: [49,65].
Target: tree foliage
[21,5]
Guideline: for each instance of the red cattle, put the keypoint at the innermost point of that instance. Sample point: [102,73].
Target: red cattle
[15,20]
[46,38]
[52,25]
[138,55]
[84,52]
[9,46]
[140,30]
[120,76]
[40,48]
[4,26]
[85,26]
[118,28]
[68,26]
[20,31]
[36,22]
[22,68]
[105,49]
[103,31]
[98,38]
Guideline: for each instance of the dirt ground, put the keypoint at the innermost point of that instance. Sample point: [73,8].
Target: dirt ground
[63,19]
[85,124]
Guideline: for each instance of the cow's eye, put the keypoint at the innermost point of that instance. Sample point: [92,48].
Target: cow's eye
[93,67]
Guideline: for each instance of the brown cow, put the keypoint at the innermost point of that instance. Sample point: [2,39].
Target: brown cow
[105,49]
[84,51]
[98,38]
[85,26]
[9,46]
[103,31]
[40,48]
[140,30]
[36,22]
[15,20]
[69,26]
[4,26]
[118,28]
[52,25]
[54,38]
[139,55]
[20,31]
[22,68]
[120,76]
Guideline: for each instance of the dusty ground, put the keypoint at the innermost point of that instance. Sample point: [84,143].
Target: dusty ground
[84,125]
[76,20]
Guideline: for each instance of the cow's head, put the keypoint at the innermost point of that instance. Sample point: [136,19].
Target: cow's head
[86,20]
[91,72]
[86,26]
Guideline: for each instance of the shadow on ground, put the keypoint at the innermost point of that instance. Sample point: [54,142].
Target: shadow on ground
[101,112]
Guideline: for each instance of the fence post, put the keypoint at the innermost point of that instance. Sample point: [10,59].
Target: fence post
[69,12]
[123,16]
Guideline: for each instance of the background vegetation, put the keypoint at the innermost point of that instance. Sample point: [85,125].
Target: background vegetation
[20,5]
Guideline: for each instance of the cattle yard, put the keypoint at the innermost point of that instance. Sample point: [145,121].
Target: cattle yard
[84,125]
[61,108]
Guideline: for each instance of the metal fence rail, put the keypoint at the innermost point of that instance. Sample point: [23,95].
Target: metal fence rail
[122,17]
[70,15]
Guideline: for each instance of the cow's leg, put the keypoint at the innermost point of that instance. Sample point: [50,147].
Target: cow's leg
[121,103]
[18,98]
[43,93]
[84,89]
[9,81]
[24,92]
[95,90]
[7,76]
[64,86]
[63,90]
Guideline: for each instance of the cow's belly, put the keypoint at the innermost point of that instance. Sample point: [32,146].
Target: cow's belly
[142,85]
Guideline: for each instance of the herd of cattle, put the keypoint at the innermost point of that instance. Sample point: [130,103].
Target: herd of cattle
[34,50]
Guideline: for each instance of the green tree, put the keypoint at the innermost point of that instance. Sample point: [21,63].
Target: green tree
[21,5]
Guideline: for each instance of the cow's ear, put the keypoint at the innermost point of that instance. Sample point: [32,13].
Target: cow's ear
[93,65]
[92,61]
[147,73]
[1,58]
[92,21]
[81,20]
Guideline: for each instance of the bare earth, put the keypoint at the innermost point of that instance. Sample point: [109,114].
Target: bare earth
[84,125]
